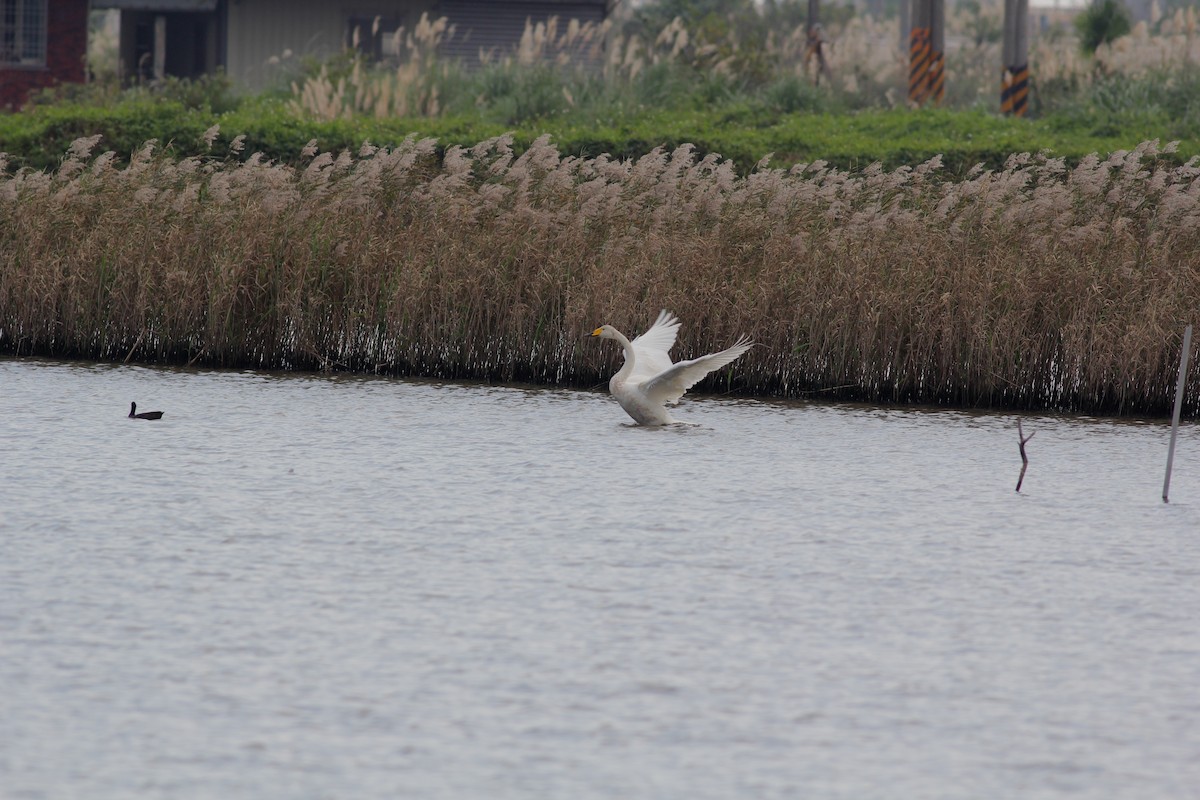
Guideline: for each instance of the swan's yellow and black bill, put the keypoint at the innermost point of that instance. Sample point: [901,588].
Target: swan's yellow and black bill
[597,332]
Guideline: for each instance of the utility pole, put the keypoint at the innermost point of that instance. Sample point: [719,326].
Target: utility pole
[1014,81]
[937,50]
[927,52]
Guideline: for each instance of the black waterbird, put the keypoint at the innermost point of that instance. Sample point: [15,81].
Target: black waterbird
[144,415]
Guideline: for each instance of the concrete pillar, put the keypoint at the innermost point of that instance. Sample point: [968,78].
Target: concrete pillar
[1014,83]
[926,51]
[160,47]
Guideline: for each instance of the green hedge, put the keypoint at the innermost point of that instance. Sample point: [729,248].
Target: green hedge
[39,137]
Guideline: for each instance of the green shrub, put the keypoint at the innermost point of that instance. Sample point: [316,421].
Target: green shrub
[1102,22]
[38,138]
[518,94]
[793,94]
[213,93]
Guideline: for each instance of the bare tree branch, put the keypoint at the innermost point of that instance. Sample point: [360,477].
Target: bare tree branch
[1024,458]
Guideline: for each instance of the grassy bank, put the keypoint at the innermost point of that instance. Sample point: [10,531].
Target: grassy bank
[1030,286]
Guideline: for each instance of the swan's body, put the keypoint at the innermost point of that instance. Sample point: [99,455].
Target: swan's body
[649,382]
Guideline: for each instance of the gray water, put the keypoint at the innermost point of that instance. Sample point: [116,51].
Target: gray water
[310,587]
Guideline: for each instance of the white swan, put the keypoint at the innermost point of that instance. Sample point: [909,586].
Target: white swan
[649,382]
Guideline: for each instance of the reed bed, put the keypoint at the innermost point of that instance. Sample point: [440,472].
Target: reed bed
[1033,286]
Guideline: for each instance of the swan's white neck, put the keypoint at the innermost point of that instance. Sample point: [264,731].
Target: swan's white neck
[630,355]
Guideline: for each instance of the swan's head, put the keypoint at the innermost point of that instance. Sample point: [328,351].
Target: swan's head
[605,332]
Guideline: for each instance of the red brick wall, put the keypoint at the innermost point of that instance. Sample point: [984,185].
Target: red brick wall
[66,46]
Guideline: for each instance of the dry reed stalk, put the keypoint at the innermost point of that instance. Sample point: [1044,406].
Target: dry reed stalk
[1032,286]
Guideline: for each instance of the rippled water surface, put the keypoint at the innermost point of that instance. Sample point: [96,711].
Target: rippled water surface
[304,587]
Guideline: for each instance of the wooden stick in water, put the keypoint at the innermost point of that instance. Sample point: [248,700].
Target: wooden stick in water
[1183,366]
[1024,458]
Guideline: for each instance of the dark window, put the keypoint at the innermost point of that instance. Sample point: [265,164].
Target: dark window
[23,33]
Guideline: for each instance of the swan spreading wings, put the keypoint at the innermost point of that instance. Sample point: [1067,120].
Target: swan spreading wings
[649,382]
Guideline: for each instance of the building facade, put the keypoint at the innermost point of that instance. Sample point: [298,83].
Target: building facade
[42,43]
[251,39]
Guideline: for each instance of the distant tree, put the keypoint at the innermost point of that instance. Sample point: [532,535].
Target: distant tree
[1103,21]
[983,28]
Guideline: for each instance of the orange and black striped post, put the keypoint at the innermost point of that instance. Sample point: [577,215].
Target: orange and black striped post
[918,65]
[1014,90]
[926,59]
[937,77]
[1014,81]
[937,51]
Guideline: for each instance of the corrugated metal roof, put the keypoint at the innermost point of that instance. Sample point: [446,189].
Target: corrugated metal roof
[496,27]
[157,5]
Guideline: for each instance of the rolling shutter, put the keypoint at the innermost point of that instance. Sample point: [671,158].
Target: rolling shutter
[496,27]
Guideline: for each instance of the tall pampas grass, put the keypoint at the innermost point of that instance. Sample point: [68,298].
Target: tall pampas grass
[411,88]
[1037,285]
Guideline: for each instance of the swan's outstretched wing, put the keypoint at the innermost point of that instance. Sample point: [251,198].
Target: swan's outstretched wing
[668,386]
[651,348]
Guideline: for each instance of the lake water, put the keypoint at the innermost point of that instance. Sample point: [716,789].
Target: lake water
[310,587]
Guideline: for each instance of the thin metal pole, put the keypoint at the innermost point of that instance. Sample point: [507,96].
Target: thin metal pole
[1183,366]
